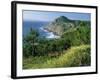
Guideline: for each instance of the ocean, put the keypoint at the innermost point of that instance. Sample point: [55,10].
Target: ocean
[38,26]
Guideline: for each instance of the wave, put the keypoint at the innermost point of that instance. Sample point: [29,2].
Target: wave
[41,28]
[49,35]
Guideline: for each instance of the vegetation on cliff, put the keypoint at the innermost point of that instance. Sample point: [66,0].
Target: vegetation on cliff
[71,49]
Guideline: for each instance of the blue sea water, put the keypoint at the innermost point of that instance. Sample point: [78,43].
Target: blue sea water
[38,26]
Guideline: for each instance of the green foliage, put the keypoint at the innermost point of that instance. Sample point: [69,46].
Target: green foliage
[29,43]
[35,46]
[31,37]
[78,36]
[75,56]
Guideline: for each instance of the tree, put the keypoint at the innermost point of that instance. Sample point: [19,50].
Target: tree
[30,40]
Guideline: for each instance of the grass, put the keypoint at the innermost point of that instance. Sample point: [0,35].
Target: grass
[74,57]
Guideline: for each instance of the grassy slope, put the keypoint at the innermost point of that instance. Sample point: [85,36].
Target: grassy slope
[75,56]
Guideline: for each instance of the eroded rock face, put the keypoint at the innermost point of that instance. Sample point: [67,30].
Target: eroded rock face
[59,25]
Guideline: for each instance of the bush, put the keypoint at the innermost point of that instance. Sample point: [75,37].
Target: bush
[73,57]
[78,36]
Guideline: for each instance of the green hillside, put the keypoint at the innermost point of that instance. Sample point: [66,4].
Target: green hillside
[75,56]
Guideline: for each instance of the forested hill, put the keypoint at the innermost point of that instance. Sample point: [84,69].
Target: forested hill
[62,24]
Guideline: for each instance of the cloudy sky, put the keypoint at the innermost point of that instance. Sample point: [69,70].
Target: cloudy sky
[50,16]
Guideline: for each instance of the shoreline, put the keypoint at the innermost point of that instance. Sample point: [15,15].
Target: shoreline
[50,33]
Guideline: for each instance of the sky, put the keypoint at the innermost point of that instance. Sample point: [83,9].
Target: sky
[50,16]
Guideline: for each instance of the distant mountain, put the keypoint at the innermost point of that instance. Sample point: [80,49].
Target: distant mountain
[62,24]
